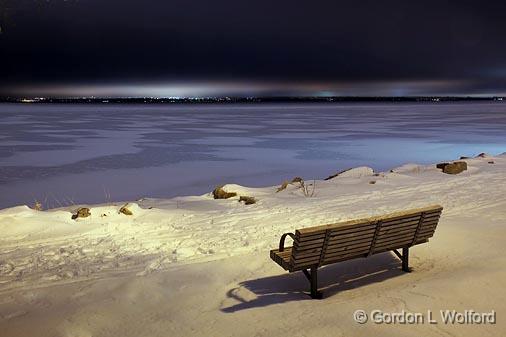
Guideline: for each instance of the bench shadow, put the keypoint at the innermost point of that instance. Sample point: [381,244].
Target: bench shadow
[332,279]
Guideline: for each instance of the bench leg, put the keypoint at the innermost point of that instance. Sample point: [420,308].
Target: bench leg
[405,259]
[312,277]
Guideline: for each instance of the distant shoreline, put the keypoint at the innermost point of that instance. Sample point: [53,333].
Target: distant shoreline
[235,100]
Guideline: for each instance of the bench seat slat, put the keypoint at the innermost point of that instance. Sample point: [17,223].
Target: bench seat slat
[399,242]
[395,240]
[405,235]
[282,259]
[356,229]
[408,223]
[415,223]
[320,230]
[389,223]
[367,238]
[389,249]
[408,229]
[332,243]
[364,249]
[427,231]
[306,256]
[345,258]
[365,242]
[349,247]
[351,236]
[310,261]
[407,232]
[302,237]
[309,242]
[358,251]
[308,246]
[302,241]
[385,228]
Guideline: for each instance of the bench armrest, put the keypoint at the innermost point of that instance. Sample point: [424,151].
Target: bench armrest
[282,240]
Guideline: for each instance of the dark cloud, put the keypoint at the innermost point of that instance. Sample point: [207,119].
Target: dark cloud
[113,41]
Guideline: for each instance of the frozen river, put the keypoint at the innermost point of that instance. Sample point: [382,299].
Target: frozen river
[65,154]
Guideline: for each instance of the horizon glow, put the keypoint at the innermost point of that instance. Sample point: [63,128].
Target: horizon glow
[202,89]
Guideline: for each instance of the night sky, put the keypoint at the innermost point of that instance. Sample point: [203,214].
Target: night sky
[261,47]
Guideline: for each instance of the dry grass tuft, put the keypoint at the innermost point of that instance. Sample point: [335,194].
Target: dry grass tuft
[283,186]
[125,210]
[307,190]
[38,206]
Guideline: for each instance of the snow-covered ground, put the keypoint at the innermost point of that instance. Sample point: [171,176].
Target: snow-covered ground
[200,266]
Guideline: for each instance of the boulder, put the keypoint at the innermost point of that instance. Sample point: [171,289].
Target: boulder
[247,200]
[453,168]
[297,180]
[82,212]
[220,193]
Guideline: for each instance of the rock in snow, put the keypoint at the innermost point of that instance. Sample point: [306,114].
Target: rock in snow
[220,193]
[247,200]
[453,168]
[82,212]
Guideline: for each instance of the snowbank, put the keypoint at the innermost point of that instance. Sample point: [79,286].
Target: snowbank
[165,242]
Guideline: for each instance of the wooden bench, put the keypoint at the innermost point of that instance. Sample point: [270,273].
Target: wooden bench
[314,247]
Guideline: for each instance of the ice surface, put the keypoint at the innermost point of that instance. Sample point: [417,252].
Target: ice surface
[65,154]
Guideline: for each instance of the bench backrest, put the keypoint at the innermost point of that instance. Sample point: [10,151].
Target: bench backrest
[321,245]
